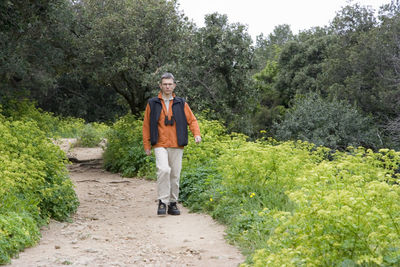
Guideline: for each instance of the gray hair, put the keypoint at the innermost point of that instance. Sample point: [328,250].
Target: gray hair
[167,75]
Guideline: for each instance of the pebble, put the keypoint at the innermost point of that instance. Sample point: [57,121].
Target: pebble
[83,236]
[90,250]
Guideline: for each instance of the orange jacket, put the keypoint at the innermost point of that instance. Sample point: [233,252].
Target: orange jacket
[167,134]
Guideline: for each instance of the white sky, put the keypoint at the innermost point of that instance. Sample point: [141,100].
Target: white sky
[262,16]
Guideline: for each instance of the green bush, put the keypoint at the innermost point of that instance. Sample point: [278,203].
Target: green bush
[347,214]
[53,126]
[290,203]
[34,185]
[198,186]
[92,134]
[331,123]
[87,134]
[124,151]
[17,231]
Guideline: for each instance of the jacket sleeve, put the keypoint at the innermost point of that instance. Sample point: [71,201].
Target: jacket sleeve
[146,128]
[192,121]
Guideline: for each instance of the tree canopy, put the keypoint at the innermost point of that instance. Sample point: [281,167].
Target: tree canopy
[101,59]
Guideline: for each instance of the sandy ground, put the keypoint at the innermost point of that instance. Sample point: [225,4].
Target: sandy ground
[116,225]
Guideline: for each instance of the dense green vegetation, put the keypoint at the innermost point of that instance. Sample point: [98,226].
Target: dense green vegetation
[125,153]
[333,123]
[34,184]
[331,199]
[98,60]
[34,181]
[53,126]
[285,203]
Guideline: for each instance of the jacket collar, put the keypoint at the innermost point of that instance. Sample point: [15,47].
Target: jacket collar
[160,95]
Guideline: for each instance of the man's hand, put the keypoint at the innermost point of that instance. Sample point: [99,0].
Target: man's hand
[197,139]
[148,152]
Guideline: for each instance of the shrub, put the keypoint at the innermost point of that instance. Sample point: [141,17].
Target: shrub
[17,231]
[331,123]
[198,186]
[34,185]
[88,135]
[92,134]
[290,203]
[347,214]
[53,126]
[124,151]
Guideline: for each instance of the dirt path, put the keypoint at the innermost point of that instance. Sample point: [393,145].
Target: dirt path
[116,225]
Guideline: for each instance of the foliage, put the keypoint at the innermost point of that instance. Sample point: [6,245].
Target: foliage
[265,49]
[36,45]
[359,64]
[196,185]
[224,83]
[34,185]
[92,134]
[42,58]
[347,213]
[124,151]
[354,59]
[200,180]
[88,135]
[271,107]
[17,231]
[53,126]
[393,127]
[295,203]
[294,66]
[97,59]
[125,43]
[333,124]
[300,64]
[77,97]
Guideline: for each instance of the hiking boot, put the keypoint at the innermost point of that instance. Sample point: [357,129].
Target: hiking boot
[173,209]
[162,208]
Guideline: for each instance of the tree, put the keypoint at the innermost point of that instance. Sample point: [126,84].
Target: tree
[266,56]
[266,47]
[77,96]
[351,59]
[362,64]
[35,42]
[300,64]
[126,43]
[217,72]
[388,43]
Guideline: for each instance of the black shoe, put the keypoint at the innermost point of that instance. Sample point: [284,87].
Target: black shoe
[173,209]
[162,208]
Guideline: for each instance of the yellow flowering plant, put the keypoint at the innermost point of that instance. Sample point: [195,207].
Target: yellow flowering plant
[34,185]
[293,203]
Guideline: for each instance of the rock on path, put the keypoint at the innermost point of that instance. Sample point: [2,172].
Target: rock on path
[116,225]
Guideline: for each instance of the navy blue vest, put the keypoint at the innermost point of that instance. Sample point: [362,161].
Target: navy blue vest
[178,111]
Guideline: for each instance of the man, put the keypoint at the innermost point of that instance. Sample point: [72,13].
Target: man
[165,129]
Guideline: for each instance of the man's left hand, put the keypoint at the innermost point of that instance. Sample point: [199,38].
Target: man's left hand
[197,139]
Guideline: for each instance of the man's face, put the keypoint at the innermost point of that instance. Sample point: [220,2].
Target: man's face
[167,86]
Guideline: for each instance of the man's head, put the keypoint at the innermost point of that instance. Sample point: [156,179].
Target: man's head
[167,83]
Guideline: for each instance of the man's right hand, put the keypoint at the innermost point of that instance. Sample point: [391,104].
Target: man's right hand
[148,152]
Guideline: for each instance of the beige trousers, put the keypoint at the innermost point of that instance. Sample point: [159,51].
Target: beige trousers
[169,165]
